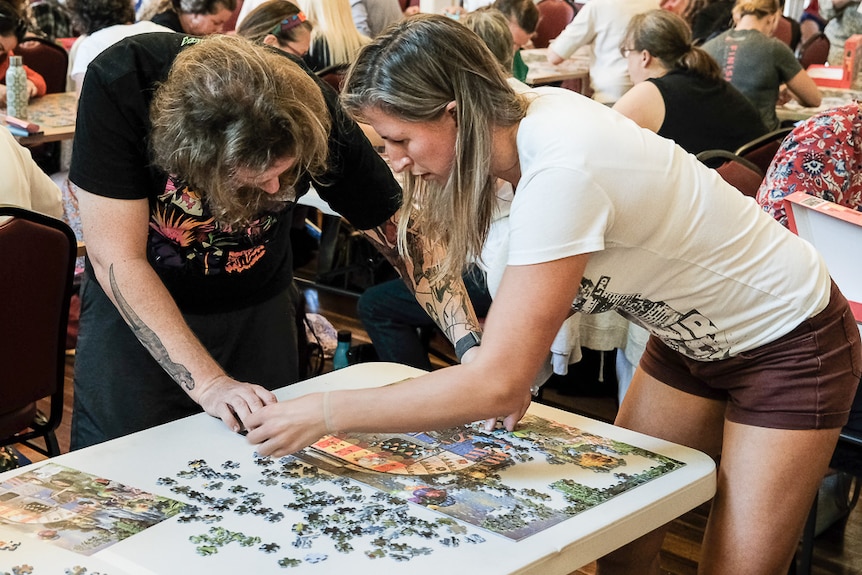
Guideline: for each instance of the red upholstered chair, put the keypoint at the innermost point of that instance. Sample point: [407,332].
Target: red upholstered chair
[787,30]
[47,58]
[815,50]
[760,151]
[735,170]
[37,263]
[554,15]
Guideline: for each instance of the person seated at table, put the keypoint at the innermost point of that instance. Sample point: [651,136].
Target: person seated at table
[24,183]
[843,20]
[753,351]
[601,24]
[758,64]
[196,17]
[334,37]
[523,19]
[279,24]
[371,17]
[102,23]
[708,18]
[188,299]
[13,27]
[822,157]
[678,91]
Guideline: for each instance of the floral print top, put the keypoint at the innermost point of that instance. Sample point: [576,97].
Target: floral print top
[822,157]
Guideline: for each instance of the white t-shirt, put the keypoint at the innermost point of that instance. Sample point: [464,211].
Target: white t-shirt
[602,25]
[673,247]
[87,47]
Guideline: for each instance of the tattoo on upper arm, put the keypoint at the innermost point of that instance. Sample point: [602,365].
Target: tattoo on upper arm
[148,338]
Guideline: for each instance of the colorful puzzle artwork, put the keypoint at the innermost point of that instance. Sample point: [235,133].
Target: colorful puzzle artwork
[481,477]
[78,511]
[380,497]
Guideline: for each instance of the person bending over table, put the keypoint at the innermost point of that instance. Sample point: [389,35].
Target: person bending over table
[199,17]
[278,24]
[188,157]
[601,25]
[388,311]
[679,93]
[754,353]
[758,64]
[13,27]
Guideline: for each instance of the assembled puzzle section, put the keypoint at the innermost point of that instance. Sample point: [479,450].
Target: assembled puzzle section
[375,500]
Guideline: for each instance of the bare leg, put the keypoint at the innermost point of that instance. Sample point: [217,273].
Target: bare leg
[767,482]
[659,410]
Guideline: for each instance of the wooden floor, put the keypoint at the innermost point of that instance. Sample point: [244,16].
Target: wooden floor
[838,550]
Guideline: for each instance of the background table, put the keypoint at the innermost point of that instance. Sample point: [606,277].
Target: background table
[54,113]
[832,98]
[577,67]
[140,459]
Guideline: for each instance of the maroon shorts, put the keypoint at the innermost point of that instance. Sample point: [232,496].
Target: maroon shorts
[806,379]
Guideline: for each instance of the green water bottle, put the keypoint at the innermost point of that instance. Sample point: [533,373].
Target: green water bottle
[17,94]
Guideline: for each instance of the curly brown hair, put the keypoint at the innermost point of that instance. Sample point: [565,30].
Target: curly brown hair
[228,104]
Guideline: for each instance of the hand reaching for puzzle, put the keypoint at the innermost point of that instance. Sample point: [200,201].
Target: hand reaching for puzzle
[286,427]
[233,401]
[509,421]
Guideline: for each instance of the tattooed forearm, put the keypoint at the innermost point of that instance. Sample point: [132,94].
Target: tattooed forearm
[148,338]
[444,299]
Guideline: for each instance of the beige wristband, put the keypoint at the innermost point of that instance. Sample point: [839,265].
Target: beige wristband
[327,414]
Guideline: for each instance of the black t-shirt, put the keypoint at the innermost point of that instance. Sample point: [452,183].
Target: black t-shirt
[205,267]
[169,19]
[703,114]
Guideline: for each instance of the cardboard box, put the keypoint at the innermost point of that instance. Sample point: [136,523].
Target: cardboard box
[834,231]
[847,76]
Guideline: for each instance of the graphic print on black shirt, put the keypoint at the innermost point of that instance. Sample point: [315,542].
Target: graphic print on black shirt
[186,235]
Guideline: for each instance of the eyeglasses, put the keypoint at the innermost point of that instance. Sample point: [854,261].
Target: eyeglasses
[626,51]
[289,23]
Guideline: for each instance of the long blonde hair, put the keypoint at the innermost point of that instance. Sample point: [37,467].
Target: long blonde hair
[413,71]
[333,23]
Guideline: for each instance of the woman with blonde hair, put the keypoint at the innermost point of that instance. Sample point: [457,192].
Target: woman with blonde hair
[334,39]
[758,64]
[678,91]
[753,353]
[280,24]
